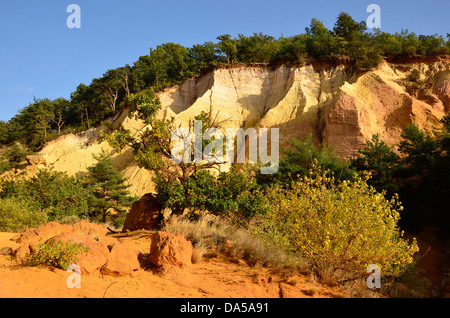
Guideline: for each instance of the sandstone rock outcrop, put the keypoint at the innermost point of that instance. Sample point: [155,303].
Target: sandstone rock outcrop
[36,160]
[335,103]
[144,214]
[169,249]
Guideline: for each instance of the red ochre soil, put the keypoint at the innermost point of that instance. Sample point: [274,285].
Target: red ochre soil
[210,278]
[217,277]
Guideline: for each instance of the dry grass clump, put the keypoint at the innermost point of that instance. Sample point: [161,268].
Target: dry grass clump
[211,235]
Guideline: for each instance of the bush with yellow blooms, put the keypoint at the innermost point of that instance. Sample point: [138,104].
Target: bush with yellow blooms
[341,227]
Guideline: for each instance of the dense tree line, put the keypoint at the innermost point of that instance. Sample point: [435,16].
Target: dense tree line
[170,63]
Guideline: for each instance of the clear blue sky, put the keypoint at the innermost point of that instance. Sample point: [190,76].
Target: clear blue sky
[40,56]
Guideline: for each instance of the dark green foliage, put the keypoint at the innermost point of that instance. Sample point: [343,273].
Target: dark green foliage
[14,155]
[256,48]
[3,132]
[111,197]
[421,176]
[204,55]
[166,65]
[52,193]
[381,161]
[346,27]
[407,43]
[291,49]
[228,193]
[19,214]
[54,196]
[144,106]
[228,47]
[426,174]
[321,43]
[33,123]
[298,161]
[421,149]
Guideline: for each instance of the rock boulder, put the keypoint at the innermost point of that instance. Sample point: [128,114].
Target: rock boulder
[170,249]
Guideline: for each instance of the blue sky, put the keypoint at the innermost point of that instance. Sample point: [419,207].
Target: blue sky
[40,56]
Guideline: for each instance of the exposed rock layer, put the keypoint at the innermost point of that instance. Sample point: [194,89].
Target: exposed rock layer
[337,105]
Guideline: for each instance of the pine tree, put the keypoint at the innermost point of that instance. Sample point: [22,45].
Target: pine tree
[109,189]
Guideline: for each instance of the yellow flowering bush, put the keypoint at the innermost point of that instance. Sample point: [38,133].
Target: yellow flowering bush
[340,227]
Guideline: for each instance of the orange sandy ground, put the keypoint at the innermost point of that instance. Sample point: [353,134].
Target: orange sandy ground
[215,277]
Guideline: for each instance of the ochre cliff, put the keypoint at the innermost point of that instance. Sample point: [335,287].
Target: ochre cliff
[336,104]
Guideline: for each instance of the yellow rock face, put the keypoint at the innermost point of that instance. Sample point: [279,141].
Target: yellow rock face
[338,106]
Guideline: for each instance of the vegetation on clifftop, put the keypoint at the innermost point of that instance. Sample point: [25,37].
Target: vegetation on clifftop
[169,64]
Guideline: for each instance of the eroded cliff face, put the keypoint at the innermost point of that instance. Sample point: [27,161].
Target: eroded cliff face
[378,103]
[337,105]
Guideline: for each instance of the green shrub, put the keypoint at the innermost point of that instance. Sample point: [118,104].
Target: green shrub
[19,214]
[56,254]
[300,157]
[340,227]
[381,161]
[230,193]
[52,192]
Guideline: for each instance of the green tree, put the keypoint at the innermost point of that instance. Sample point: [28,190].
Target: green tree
[379,159]
[110,191]
[322,43]
[291,49]
[33,122]
[60,108]
[228,46]
[353,40]
[421,150]
[346,26]
[432,45]
[256,48]
[15,154]
[297,160]
[81,100]
[409,41]
[166,65]
[4,135]
[204,55]
[232,194]
[387,44]
[425,177]
[153,147]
